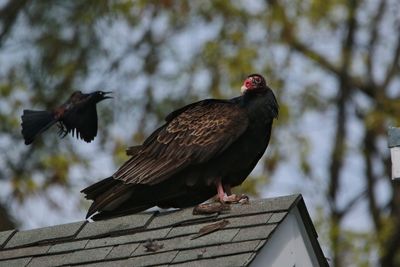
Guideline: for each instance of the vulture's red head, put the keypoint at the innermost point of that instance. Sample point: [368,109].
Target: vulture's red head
[253,81]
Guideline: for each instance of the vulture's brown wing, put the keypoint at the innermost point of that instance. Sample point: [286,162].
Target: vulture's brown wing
[191,136]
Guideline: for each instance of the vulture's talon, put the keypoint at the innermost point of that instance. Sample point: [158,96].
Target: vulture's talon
[234,199]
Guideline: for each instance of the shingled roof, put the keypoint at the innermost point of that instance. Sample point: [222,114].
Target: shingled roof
[168,236]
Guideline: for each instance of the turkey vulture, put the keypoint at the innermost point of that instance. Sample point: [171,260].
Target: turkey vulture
[77,115]
[203,149]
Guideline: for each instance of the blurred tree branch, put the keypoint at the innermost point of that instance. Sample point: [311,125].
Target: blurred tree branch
[393,68]
[8,16]
[375,22]
[369,151]
[339,145]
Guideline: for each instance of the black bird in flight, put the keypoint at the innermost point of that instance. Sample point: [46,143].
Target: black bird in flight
[203,149]
[78,115]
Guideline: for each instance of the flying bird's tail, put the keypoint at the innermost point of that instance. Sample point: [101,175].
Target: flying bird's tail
[34,123]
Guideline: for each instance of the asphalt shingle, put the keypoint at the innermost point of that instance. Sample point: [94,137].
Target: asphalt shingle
[44,234]
[236,222]
[185,242]
[108,263]
[227,261]
[89,255]
[121,251]
[247,221]
[259,232]
[121,241]
[218,237]
[28,251]
[135,237]
[262,206]
[63,247]
[108,227]
[178,217]
[216,251]
[48,261]
[81,256]
[186,230]
[4,236]
[152,259]
[277,217]
[167,245]
[20,262]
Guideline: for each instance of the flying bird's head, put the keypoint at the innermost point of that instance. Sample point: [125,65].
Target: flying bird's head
[253,81]
[101,95]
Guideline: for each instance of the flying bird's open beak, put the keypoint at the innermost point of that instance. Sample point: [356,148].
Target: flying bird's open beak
[106,95]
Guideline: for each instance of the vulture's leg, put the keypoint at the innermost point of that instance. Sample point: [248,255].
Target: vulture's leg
[233,198]
[229,198]
[218,203]
[220,191]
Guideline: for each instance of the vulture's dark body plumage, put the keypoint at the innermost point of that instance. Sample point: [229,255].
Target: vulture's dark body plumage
[180,164]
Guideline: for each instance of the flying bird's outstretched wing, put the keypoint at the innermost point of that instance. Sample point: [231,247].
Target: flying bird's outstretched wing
[191,135]
[82,122]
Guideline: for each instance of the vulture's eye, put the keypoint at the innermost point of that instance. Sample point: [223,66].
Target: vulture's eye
[257,80]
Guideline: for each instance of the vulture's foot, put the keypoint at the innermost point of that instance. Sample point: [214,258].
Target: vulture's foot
[234,199]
